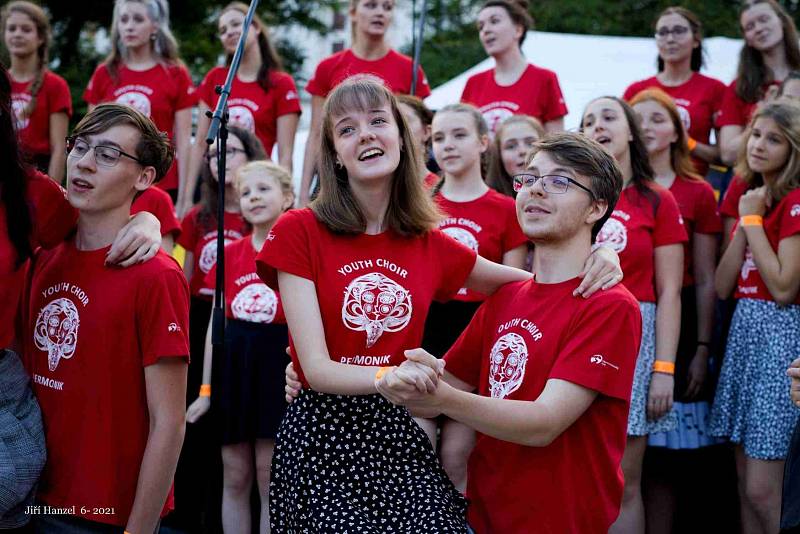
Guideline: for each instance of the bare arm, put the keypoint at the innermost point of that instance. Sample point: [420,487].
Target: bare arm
[516,257]
[165,382]
[183,146]
[168,243]
[727,228]
[704,258]
[312,145]
[554,126]
[730,265]
[195,163]
[780,272]
[188,265]
[201,404]
[706,152]
[730,138]
[59,122]
[487,277]
[137,242]
[287,128]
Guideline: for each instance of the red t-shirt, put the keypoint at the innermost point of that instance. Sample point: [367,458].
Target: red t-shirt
[201,240]
[158,92]
[782,221]
[431,179]
[488,225]
[536,93]
[729,207]
[247,298]
[511,348]
[698,101]
[374,291]
[90,331]
[53,97]
[53,218]
[735,111]
[636,227]
[698,207]
[393,68]
[249,106]
[159,203]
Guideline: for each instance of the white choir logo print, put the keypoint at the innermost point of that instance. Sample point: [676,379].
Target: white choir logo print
[56,331]
[463,236]
[375,303]
[255,303]
[507,365]
[18,103]
[136,100]
[795,210]
[749,264]
[242,117]
[613,234]
[208,256]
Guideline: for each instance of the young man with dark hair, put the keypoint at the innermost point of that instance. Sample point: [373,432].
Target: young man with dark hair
[107,348]
[553,372]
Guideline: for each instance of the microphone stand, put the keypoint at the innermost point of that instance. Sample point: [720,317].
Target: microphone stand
[417,40]
[218,130]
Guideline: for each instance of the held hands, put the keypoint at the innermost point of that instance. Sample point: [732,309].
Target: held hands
[601,271]
[137,242]
[659,399]
[198,409]
[754,202]
[414,380]
[794,373]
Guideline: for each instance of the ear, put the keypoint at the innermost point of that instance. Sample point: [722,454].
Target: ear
[485,142]
[596,211]
[288,201]
[427,135]
[145,178]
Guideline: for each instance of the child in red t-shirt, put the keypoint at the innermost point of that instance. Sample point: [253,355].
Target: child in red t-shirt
[770,52]
[681,458]
[647,232]
[40,99]
[513,141]
[107,348]
[249,391]
[761,268]
[419,119]
[552,388]
[369,53]
[263,100]
[679,38]
[513,86]
[145,72]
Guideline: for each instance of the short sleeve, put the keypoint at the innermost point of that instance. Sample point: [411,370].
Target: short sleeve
[466,94]
[669,228]
[52,215]
[707,219]
[556,107]
[423,90]
[287,100]
[162,316]
[730,202]
[188,236]
[630,92]
[601,347]
[205,91]
[790,219]
[320,83]
[185,94]
[59,97]
[96,88]
[465,357]
[162,208]
[455,262]
[732,111]
[287,248]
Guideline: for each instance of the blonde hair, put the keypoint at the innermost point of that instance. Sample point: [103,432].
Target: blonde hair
[411,211]
[786,114]
[267,168]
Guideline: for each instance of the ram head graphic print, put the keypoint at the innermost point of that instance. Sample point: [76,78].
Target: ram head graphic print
[507,362]
[56,331]
[375,303]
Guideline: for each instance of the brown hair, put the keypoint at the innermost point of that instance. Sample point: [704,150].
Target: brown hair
[518,11]
[165,46]
[752,73]
[680,159]
[40,20]
[589,159]
[697,33]
[153,149]
[270,60]
[497,177]
[411,211]
[786,114]
[481,129]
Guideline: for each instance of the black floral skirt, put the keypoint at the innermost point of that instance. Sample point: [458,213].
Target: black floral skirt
[358,464]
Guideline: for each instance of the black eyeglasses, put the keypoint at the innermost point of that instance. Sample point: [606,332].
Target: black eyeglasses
[551,183]
[229,153]
[677,31]
[107,156]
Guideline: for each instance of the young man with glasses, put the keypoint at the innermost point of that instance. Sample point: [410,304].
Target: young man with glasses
[107,348]
[553,372]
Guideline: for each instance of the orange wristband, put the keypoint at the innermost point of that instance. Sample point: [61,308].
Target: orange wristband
[751,220]
[205,390]
[382,371]
[660,366]
[691,143]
